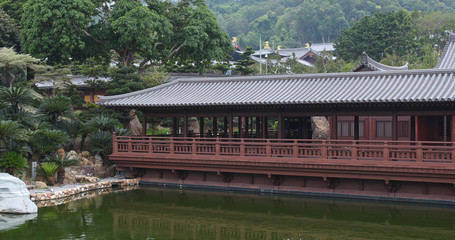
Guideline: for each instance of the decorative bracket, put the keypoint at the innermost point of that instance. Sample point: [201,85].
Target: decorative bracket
[331,183]
[392,186]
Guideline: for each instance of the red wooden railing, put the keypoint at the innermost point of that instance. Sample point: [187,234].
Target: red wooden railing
[296,150]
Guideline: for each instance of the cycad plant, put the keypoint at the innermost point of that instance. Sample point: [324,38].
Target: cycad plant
[16,98]
[101,143]
[13,163]
[47,170]
[46,141]
[10,130]
[53,107]
[62,161]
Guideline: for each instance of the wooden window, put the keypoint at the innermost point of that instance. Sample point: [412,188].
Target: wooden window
[384,129]
[346,129]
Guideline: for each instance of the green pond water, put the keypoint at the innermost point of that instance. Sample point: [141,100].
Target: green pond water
[152,213]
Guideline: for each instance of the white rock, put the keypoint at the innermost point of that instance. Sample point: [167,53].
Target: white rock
[11,221]
[73,155]
[14,196]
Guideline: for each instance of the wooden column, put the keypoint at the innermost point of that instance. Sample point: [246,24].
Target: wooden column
[153,128]
[231,126]
[394,126]
[258,126]
[215,126]
[225,126]
[452,129]
[334,132]
[201,127]
[264,127]
[280,126]
[185,125]
[175,127]
[412,131]
[144,125]
[356,128]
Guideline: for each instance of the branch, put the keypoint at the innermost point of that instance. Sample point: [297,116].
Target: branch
[89,35]
[143,67]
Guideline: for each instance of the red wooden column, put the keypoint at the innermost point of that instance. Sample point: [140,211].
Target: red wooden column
[334,132]
[394,126]
[247,121]
[185,125]
[258,126]
[412,135]
[264,127]
[231,126]
[280,126]
[144,125]
[356,128]
[452,129]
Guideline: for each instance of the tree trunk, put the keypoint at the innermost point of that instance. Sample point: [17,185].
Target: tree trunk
[61,175]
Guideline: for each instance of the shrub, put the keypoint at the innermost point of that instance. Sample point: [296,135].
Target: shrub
[47,171]
[13,163]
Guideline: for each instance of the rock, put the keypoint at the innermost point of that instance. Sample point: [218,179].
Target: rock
[72,155]
[320,127]
[85,162]
[134,126]
[14,196]
[39,184]
[61,151]
[98,159]
[11,221]
[69,177]
[92,159]
[85,154]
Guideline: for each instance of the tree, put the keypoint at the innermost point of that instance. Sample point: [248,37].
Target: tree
[124,80]
[53,107]
[10,60]
[13,8]
[378,35]
[155,32]
[243,66]
[9,32]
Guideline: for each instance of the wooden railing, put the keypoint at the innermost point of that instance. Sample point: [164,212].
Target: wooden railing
[301,149]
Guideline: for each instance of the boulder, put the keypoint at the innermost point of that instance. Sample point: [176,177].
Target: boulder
[321,127]
[61,151]
[39,184]
[98,159]
[14,196]
[73,155]
[85,162]
[86,154]
[12,221]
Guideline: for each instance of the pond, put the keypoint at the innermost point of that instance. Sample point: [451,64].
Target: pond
[155,213]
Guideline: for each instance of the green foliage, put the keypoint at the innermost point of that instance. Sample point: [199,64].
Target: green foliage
[62,161]
[154,33]
[75,95]
[125,80]
[103,123]
[53,107]
[378,35]
[53,29]
[11,61]
[243,66]
[46,141]
[16,98]
[292,23]
[101,143]
[48,171]
[10,130]
[13,8]
[154,78]
[9,32]
[13,163]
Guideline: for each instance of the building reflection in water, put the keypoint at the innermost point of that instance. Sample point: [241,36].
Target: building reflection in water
[172,214]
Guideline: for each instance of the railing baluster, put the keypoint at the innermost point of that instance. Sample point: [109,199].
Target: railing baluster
[242,147]
[193,147]
[324,150]
[130,144]
[386,152]
[354,151]
[419,152]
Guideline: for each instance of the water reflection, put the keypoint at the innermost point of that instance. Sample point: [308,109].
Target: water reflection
[172,214]
[11,221]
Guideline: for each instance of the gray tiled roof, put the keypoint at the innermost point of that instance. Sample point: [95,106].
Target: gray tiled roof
[447,59]
[434,85]
[78,80]
[366,61]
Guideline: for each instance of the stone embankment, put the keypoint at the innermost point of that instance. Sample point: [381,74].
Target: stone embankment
[48,195]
